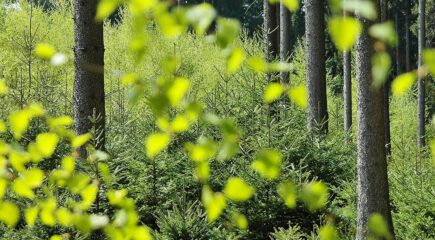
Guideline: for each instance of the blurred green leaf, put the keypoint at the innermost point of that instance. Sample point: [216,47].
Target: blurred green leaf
[79,141]
[428,59]
[180,124]
[47,211]
[403,83]
[381,64]
[214,203]
[239,220]
[366,8]
[46,143]
[227,31]
[44,51]
[344,31]
[235,60]
[30,214]
[3,87]
[287,191]
[273,91]
[315,195]
[201,16]
[385,32]
[105,8]
[178,90]
[237,189]
[299,96]
[328,232]
[257,64]
[155,143]
[268,163]
[9,213]
[379,226]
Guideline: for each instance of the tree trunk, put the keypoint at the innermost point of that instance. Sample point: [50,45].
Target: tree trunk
[347,89]
[407,39]
[373,190]
[386,89]
[284,40]
[315,60]
[271,31]
[397,55]
[89,72]
[421,80]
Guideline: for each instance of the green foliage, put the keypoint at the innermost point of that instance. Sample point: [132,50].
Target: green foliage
[167,74]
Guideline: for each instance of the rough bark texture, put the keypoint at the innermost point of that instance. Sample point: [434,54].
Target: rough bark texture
[421,80]
[386,89]
[285,22]
[89,71]
[373,190]
[315,60]
[347,90]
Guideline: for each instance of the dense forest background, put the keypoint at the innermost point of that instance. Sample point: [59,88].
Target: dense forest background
[165,189]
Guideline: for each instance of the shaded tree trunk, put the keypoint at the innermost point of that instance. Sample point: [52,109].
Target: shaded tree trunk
[386,89]
[421,79]
[373,189]
[315,61]
[397,55]
[89,72]
[347,89]
[271,32]
[285,22]
[407,37]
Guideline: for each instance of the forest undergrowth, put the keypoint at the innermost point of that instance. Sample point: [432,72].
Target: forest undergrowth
[165,190]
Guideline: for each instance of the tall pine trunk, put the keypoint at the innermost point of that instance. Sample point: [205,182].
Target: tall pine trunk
[386,88]
[421,80]
[89,72]
[407,37]
[373,189]
[271,32]
[397,52]
[347,88]
[284,40]
[315,61]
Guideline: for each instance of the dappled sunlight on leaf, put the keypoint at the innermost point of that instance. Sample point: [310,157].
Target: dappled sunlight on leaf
[315,195]
[214,203]
[403,83]
[344,32]
[299,96]
[237,189]
[155,143]
[272,92]
[268,163]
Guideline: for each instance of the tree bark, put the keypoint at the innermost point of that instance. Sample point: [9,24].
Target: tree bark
[373,189]
[284,40]
[421,79]
[386,89]
[271,32]
[407,39]
[89,72]
[347,89]
[315,61]
[397,55]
